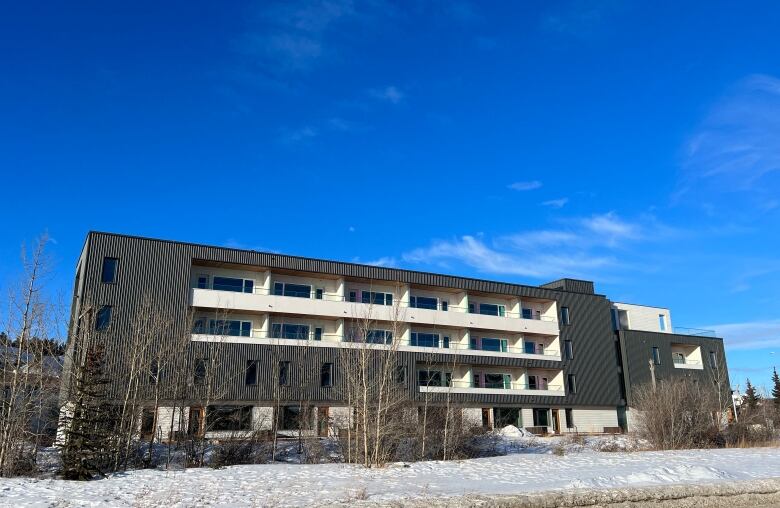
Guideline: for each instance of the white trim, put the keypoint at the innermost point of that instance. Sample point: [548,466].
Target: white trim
[496,391]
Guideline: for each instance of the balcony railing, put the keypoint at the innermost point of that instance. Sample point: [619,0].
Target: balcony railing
[698,332]
[684,361]
[330,297]
[498,385]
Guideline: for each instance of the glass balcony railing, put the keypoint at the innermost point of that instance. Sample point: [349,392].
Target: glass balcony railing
[495,385]
[372,298]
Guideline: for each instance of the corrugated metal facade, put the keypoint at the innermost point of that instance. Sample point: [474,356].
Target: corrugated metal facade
[161,270]
[636,347]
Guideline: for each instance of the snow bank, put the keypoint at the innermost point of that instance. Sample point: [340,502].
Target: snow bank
[307,485]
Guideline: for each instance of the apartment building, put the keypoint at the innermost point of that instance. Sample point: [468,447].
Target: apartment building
[554,358]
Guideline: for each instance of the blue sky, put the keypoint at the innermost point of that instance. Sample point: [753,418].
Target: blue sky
[634,144]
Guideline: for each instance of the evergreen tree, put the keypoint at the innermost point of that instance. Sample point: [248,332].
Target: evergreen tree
[751,398]
[776,388]
[87,447]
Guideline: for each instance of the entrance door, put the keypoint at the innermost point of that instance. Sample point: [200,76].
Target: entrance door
[322,421]
[556,421]
[195,421]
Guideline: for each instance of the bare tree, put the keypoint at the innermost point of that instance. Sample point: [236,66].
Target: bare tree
[30,367]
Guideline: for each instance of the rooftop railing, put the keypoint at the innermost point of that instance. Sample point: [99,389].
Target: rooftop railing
[699,332]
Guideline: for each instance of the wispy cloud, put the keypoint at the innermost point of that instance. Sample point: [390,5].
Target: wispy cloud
[297,135]
[295,36]
[737,146]
[580,18]
[750,335]
[525,186]
[388,93]
[589,246]
[383,261]
[556,203]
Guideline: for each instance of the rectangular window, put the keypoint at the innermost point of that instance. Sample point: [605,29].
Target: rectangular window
[529,347]
[376,298]
[251,372]
[318,293]
[490,344]
[203,281]
[656,356]
[445,305]
[318,333]
[154,372]
[565,316]
[233,284]
[713,360]
[662,322]
[471,308]
[110,266]
[433,378]
[528,314]
[678,358]
[230,327]
[228,418]
[420,339]
[284,373]
[445,342]
[572,384]
[568,350]
[569,418]
[290,331]
[353,296]
[532,382]
[541,417]
[200,371]
[294,290]
[490,309]
[492,380]
[400,374]
[423,302]
[103,318]
[379,336]
[326,374]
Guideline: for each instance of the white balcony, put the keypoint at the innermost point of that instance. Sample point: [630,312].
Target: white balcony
[515,389]
[333,308]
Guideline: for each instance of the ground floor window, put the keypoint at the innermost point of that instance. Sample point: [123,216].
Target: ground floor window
[503,416]
[541,417]
[228,418]
[294,418]
[569,418]
[147,422]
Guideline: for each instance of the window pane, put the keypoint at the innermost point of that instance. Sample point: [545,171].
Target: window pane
[388,299]
[530,348]
[284,372]
[565,315]
[326,375]
[251,372]
[229,284]
[423,302]
[488,309]
[297,290]
[276,331]
[278,288]
[203,282]
[299,332]
[494,380]
[246,328]
[527,314]
[249,286]
[103,317]
[569,350]
[109,270]
[491,344]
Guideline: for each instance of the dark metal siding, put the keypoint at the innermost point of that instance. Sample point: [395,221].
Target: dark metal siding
[636,347]
[160,270]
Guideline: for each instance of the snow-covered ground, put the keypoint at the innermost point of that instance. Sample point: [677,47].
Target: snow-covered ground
[533,466]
